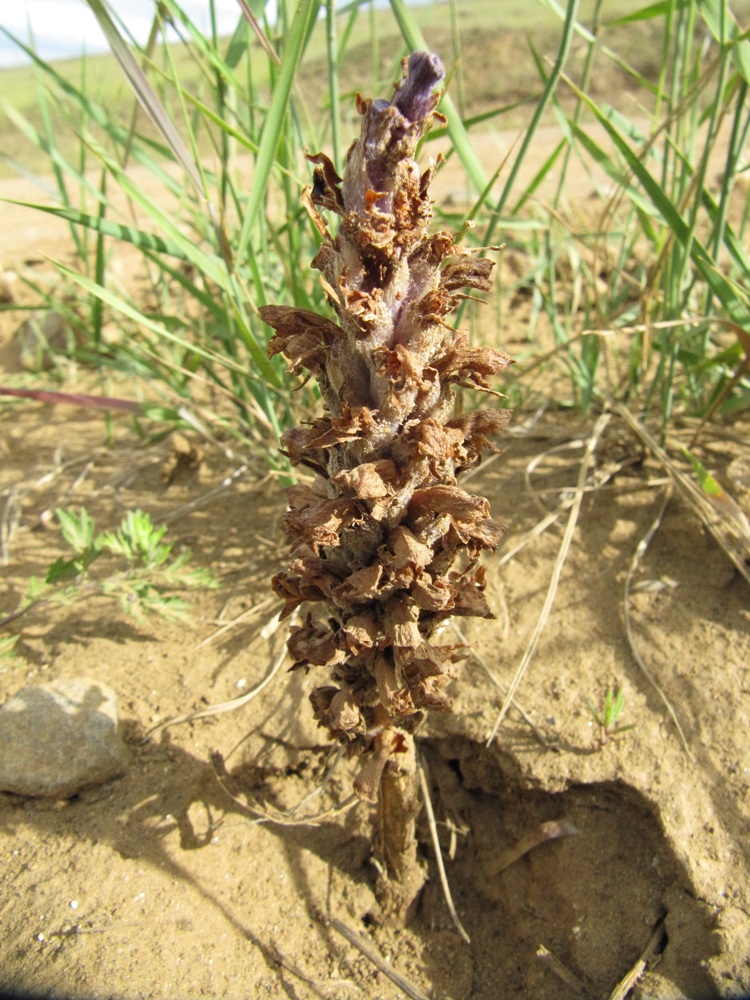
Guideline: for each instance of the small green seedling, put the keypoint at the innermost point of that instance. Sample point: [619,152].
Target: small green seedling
[145,572]
[614,705]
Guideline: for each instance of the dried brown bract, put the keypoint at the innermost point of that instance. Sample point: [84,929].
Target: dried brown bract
[385,544]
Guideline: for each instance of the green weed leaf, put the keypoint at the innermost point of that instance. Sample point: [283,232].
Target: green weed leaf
[62,569]
[77,529]
[137,539]
[710,486]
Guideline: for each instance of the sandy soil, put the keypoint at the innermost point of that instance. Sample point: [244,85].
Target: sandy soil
[165,883]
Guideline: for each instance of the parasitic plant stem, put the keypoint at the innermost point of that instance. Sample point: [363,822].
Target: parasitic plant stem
[385,544]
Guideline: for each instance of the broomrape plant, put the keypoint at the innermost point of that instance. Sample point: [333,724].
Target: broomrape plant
[384,544]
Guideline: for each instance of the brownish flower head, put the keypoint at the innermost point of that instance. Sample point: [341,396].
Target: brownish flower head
[385,545]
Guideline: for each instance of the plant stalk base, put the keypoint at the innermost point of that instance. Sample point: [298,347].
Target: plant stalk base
[402,876]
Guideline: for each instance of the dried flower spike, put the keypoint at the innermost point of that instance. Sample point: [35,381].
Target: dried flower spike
[385,544]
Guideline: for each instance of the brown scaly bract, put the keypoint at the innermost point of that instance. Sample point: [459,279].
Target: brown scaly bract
[384,542]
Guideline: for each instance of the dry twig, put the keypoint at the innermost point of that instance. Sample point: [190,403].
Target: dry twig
[371,954]
[556,572]
[562,972]
[502,688]
[287,817]
[247,614]
[423,772]
[202,500]
[551,830]
[652,949]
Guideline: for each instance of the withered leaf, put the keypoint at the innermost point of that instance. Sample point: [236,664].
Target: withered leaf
[316,576]
[488,533]
[337,710]
[428,660]
[471,364]
[432,595]
[315,643]
[407,549]
[442,446]
[467,272]
[301,336]
[361,585]
[319,523]
[354,422]
[430,694]
[370,480]
[360,632]
[469,599]
[304,494]
[449,500]
[326,191]
[393,692]
[400,622]
[343,713]
[476,427]
[287,588]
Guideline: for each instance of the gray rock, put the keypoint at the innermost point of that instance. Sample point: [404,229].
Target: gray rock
[58,738]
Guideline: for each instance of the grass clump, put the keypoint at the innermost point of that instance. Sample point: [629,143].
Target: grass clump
[646,301]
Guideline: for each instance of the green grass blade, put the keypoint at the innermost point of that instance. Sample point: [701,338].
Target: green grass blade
[295,43]
[723,26]
[238,44]
[539,176]
[123,306]
[724,289]
[145,92]
[100,264]
[591,39]
[333,59]
[59,163]
[653,12]
[89,109]
[227,129]
[99,224]
[541,106]
[202,45]
[603,158]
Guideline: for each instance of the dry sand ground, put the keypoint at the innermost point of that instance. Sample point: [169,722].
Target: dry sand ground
[181,892]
